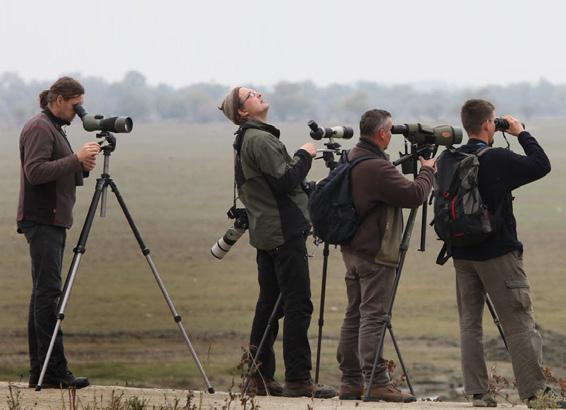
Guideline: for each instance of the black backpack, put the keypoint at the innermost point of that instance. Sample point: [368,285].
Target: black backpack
[461,217]
[331,208]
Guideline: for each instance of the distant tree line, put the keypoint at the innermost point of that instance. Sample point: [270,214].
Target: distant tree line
[290,101]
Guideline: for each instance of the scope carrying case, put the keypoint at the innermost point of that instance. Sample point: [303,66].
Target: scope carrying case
[461,218]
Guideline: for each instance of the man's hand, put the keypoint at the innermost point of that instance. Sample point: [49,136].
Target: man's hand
[515,126]
[87,155]
[310,148]
[89,163]
[428,162]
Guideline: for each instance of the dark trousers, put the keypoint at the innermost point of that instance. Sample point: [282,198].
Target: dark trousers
[46,245]
[284,270]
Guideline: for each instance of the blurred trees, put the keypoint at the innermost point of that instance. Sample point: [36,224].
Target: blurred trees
[301,101]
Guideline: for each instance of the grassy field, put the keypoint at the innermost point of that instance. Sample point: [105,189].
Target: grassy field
[177,182]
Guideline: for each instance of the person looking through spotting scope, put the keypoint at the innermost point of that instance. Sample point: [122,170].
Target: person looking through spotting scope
[50,172]
[494,267]
[269,185]
[379,191]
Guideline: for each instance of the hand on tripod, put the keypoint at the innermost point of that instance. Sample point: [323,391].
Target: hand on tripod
[431,162]
[310,148]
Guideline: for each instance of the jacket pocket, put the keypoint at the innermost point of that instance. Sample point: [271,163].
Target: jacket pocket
[388,254]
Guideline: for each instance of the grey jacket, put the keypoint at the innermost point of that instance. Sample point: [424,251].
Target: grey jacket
[50,171]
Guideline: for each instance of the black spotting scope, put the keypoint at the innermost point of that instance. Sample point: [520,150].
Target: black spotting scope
[97,122]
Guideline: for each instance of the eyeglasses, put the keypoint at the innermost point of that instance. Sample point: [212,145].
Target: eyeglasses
[251,94]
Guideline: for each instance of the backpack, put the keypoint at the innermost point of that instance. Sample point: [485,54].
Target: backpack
[333,215]
[461,217]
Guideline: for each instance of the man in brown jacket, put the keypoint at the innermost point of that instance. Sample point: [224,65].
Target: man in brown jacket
[379,192]
[50,171]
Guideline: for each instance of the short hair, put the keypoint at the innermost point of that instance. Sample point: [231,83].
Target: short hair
[372,121]
[66,87]
[474,112]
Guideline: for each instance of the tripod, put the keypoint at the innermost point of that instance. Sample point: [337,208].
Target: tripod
[102,184]
[328,156]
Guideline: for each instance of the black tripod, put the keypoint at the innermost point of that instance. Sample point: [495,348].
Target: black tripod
[100,195]
[328,156]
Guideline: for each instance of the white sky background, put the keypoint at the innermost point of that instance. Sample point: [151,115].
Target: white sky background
[181,42]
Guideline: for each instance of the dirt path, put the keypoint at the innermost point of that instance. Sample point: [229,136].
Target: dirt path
[165,399]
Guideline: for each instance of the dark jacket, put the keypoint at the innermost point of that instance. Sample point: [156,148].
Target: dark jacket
[379,192]
[49,173]
[501,171]
[269,185]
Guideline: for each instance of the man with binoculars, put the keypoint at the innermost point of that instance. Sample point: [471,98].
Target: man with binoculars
[269,185]
[50,172]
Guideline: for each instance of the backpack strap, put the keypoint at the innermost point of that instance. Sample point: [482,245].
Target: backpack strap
[445,253]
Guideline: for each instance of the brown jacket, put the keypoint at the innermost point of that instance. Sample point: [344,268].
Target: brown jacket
[49,173]
[380,191]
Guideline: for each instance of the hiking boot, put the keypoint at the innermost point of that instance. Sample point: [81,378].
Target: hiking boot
[261,387]
[67,381]
[484,400]
[350,392]
[547,399]
[307,388]
[389,392]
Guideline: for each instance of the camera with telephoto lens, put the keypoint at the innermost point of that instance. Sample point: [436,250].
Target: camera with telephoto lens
[97,122]
[341,131]
[233,233]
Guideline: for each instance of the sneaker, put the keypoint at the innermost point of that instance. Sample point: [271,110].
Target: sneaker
[261,387]
[389,392]
[307,388]
[484,400]
[350,392]
[68,381]
[547,399]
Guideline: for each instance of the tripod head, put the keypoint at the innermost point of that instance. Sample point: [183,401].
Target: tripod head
[110,141]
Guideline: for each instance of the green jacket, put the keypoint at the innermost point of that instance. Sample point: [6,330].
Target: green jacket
[269,184]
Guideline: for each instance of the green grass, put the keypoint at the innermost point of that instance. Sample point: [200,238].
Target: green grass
[177,181]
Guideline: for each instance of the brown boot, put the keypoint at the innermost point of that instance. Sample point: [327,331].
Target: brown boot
[389,393]
[307,388]
[350,392]
[261,387]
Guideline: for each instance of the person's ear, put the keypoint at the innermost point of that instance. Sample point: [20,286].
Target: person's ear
[243,113]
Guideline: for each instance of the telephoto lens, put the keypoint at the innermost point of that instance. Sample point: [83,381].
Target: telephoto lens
[225,243]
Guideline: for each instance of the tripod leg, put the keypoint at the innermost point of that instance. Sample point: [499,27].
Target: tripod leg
[146,253]
[262,342]
[326,252]
[70,280]
[400,359]
[496,319]
[387,320]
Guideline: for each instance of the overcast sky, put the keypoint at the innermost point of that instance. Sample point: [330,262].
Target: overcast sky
[181,42]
